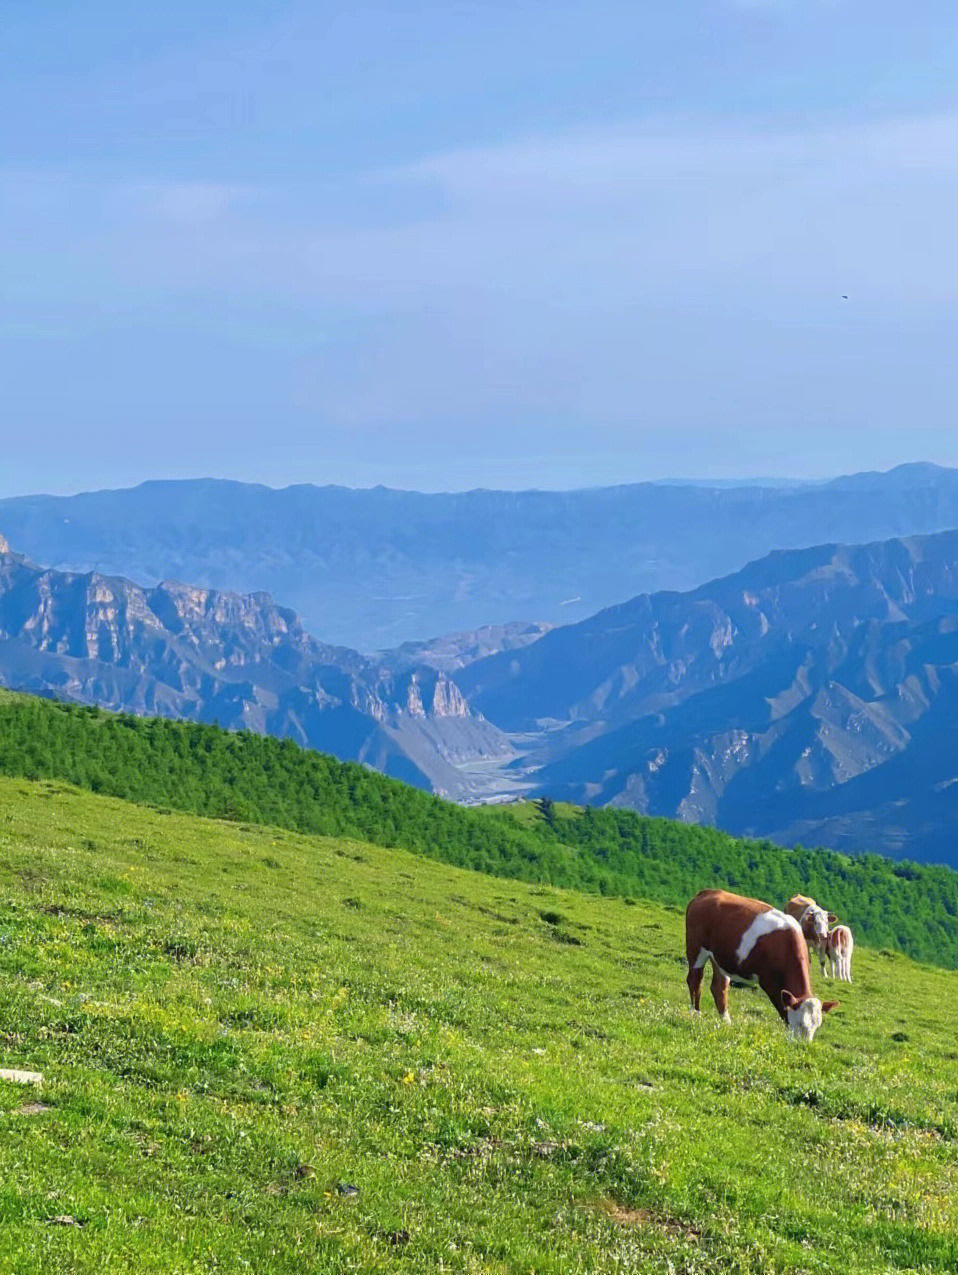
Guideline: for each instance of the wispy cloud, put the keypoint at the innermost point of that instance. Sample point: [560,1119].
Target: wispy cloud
[598,274]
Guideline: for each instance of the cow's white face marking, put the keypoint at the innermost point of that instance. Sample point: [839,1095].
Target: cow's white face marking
[816,920]
[764,923]
[805,1020]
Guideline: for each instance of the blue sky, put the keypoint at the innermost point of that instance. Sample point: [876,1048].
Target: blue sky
[460,244]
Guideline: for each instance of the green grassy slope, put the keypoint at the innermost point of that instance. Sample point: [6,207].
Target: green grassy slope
[237,1025]
[259,779]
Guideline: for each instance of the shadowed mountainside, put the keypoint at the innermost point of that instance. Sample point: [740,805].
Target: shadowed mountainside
[811,696]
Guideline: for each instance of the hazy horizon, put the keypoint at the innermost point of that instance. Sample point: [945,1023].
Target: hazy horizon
[764,480]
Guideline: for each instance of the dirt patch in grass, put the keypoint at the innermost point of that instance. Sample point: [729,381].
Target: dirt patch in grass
[624,1216]
[104,919]
[32,1108]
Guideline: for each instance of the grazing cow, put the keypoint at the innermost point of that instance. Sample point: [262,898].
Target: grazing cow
[838,952]
[814,922]
[748,939]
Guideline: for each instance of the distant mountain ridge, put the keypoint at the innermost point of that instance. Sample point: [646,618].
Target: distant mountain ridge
[372,569]
[240,660]
[455,650]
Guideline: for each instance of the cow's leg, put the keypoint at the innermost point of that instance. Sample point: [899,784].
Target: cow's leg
[720,986]
[694,981]
[696,961]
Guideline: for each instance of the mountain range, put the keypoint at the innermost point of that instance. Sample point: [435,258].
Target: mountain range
[807,697]
[811,696]
[372,569]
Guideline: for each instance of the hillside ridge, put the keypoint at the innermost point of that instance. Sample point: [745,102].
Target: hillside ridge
[758,702]
[257,779]
[808,697]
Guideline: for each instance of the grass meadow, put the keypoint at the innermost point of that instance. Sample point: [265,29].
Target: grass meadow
[279,1053]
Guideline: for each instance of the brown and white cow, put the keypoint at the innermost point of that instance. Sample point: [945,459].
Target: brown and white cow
[838,953]
[748,939]
[813,920]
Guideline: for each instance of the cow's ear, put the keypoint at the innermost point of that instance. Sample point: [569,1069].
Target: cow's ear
[788,1000]
[828,1006]
[832,918]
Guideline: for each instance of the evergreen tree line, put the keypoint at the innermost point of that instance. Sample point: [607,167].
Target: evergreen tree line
[258,779]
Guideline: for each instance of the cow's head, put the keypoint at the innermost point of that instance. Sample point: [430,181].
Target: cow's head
[815,924]
[805,1014]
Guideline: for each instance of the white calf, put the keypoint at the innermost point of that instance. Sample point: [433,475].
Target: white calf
[838,953]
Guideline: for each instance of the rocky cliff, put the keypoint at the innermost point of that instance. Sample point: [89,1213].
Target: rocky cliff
[809,697]
[239,659]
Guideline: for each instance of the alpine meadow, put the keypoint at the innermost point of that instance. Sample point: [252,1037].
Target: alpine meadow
[268,1051]
[479,638]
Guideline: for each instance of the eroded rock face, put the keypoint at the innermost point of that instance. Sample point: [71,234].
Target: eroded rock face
[447,699]
[414,698]
[238,659]
[416,693]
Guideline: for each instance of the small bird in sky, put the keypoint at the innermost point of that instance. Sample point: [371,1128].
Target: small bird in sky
[844,296]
